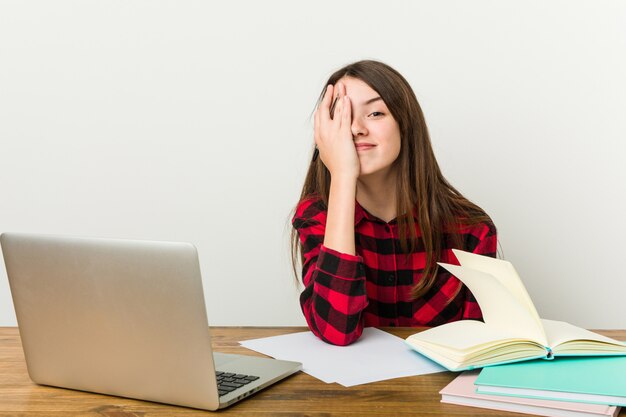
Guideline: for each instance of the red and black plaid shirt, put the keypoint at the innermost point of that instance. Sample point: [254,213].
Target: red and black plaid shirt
[343,293]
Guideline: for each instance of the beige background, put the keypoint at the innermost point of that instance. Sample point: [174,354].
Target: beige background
[189,120]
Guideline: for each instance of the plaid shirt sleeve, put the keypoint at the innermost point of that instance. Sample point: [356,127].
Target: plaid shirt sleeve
[482,240]
[334,296]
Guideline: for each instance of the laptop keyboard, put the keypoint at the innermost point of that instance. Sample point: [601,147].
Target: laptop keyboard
[227,381]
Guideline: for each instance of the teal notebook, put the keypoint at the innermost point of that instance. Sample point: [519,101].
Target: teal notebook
[598,380]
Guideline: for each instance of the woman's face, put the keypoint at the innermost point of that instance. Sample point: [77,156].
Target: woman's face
[375,132]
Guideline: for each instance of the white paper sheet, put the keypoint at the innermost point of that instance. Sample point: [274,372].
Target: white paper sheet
[376,356]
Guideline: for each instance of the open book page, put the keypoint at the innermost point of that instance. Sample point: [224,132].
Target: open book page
[464,336]
[467,343]
[501,309]
[578,339]
[504,272]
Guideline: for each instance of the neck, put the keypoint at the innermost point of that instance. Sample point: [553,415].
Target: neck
[376,193]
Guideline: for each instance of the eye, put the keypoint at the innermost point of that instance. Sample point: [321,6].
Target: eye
[377,113]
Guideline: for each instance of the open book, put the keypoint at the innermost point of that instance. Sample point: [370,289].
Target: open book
[512,330]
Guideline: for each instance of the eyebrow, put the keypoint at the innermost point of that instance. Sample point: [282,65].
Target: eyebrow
[371,100]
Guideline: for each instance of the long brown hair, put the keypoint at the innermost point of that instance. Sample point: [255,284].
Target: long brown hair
[421,187]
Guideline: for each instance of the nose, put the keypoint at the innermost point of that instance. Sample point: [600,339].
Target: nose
[358,128]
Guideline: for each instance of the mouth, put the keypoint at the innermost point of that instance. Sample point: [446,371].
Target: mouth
[364,146]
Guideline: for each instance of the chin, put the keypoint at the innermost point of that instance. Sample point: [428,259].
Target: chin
[367,172]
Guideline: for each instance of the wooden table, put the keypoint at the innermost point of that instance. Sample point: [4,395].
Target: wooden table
[299,395]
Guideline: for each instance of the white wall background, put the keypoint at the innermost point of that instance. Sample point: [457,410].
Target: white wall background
[189,120]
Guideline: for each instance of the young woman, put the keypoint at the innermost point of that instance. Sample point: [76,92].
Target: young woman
[376,214]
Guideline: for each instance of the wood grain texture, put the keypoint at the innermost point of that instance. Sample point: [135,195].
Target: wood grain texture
[299,395]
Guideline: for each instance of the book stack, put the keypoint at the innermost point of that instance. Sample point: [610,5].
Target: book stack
[462,391]
[530,365]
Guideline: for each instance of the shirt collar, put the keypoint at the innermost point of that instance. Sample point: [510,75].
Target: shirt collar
[361,214]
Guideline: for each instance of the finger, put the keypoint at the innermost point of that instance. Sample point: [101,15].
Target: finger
[346,117]
[341,90]
[337,112]
[333,107]
[326,102]
[337,94]
[336,99]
